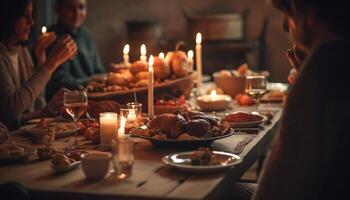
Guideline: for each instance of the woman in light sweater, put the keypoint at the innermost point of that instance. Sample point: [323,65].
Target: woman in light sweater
[20,81]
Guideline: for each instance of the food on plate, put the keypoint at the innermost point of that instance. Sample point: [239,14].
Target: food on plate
[123,78]
[204,156]
[179,63]
[45,152]
[11,150]
[187,125]
[241,71]
[92,134]
[141,76]
[66,159]
[169,124]
[138,66]
[162,69]
[244,99]
[273,95]
[242,117]
[169,104]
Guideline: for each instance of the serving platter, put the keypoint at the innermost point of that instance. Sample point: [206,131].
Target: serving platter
[184,144]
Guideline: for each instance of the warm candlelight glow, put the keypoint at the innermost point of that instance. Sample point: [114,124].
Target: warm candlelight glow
[43,29]
[213,94]
[190,54]
[151,62]
[143,50]
[108,127]
[132,115]
[121,130]
[126,54]
[198,38]
[161,55]
[126,49]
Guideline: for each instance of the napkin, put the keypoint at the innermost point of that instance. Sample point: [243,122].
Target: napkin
[234,144]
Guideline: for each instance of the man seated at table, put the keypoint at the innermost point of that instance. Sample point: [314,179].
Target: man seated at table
[75,72]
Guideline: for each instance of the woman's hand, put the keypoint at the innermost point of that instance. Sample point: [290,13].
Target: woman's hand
[64,49]
[43,42]
[53,107]
[295,57]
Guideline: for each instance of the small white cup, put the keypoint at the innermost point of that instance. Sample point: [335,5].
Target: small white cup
[95,164]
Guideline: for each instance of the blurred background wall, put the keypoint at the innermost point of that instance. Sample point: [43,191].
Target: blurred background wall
[109,22]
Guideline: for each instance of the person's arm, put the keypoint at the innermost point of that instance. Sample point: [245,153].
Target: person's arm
[293,165]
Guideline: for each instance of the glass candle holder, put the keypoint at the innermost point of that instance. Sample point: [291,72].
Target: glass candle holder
[130,114]
[108,127]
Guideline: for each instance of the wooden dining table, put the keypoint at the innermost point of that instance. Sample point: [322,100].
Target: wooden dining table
[150,178]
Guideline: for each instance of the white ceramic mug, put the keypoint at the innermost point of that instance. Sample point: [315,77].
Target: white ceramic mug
[95,164]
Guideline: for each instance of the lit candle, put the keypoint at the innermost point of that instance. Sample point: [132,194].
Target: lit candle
[161,55]
[131,115]
[43,29]
[190,58]
[199,62]
[108,127]
[126,54]
[213,95]
[143,50]
[214,101]
[150,87]
[121,130]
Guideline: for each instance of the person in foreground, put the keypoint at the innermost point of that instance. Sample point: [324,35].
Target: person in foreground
[76,72]
[309,156]
[21,83]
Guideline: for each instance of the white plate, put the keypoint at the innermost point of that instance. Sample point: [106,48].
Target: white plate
[28,150]
[182,161]
[35,121]
[32,129]
[250,123]
[61,169]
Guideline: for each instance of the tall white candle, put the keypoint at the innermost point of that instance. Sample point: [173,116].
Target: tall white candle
[143,50]
[150,87]
[199,62]
[108,127]
[126,54]
[121,130]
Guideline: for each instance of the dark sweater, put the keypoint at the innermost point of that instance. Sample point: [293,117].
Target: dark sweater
[310,155]
[76,71]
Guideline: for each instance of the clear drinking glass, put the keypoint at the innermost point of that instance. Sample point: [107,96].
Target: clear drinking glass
[75,103]
[138,107]
[255,86]
[123,152]
[130,114]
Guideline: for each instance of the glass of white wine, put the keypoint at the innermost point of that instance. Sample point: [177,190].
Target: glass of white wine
[75,103]
[256,86]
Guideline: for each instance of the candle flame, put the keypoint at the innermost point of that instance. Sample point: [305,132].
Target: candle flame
[150,63]
[213,94]
[143,50]
[190,54]
[161,55]
[198,38]
[126,49]
[43,29]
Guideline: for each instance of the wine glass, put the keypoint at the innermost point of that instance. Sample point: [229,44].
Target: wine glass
[255,86]
[75,103]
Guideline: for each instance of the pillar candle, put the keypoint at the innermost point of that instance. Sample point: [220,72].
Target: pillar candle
[108,127]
